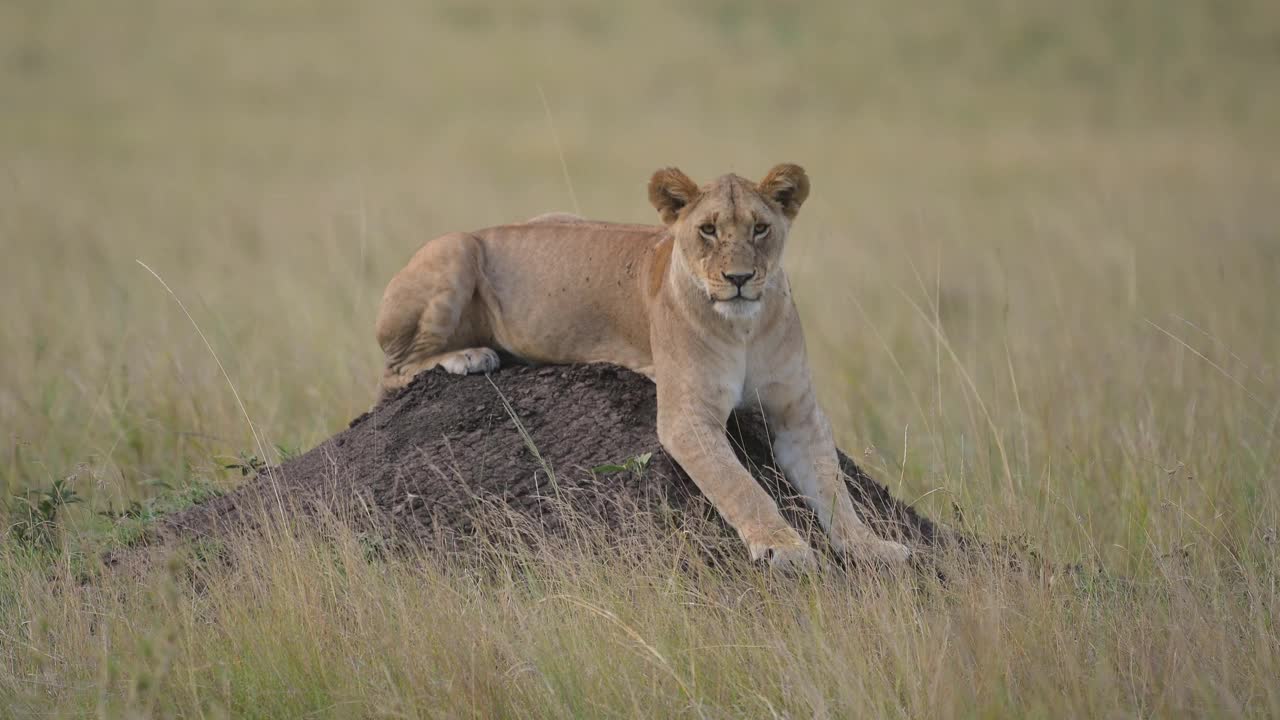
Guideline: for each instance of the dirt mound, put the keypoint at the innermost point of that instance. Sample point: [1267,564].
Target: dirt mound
[541,442]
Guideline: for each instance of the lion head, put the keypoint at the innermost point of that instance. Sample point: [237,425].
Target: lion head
[729,233]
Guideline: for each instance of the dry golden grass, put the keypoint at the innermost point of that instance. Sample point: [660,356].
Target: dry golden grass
[1038,272]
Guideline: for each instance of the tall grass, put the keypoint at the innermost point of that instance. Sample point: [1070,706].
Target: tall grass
[315,624]
[1038,275]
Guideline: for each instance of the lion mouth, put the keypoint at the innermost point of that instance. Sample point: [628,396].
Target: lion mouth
[738,299]
[738,306]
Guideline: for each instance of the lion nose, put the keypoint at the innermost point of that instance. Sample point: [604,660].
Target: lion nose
[739,278]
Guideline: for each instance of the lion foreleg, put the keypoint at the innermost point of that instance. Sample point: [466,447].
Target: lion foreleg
[703,451]
[806,453]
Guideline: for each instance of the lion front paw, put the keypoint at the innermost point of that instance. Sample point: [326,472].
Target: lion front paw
[785,552]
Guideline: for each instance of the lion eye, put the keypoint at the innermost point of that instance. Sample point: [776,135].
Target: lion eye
[708,230]
[761,229]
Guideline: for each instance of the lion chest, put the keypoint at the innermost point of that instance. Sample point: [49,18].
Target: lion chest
[736,386]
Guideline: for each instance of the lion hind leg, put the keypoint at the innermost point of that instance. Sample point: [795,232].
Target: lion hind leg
[419,322]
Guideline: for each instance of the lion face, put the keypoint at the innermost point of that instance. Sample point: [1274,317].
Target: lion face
[729,233]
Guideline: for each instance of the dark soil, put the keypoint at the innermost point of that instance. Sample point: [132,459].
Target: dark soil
[430,460]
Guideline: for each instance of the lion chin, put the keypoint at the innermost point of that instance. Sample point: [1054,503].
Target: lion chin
[739,308]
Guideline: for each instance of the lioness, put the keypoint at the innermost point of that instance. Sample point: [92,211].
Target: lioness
[700,305]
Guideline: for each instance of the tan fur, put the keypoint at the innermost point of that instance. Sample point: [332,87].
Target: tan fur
[661,301]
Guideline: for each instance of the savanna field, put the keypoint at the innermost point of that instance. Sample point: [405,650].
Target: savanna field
[1039,273]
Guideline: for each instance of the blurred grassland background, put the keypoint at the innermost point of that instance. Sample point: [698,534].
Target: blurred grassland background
[1039,274]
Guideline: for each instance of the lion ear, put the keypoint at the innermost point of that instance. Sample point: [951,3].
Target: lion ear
[787,185]
[670,191]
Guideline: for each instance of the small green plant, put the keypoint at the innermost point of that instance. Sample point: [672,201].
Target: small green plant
[131,523]
[374,546]
[133,511]
[250,464]
[35,514]
[170,501]
[635,464]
